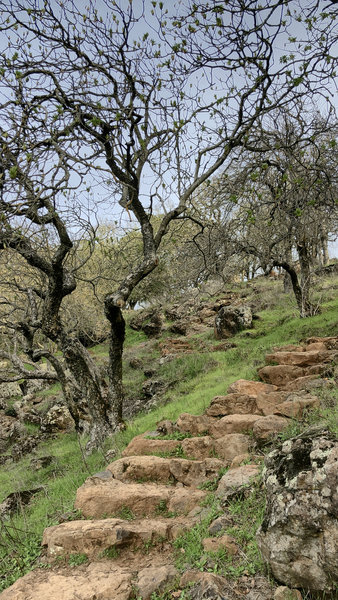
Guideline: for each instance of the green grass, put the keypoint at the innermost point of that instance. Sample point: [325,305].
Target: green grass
[200,376]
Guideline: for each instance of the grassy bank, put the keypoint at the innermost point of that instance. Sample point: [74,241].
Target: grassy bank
[194,380]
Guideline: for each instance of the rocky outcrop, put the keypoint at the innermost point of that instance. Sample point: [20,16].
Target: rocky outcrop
[299,534]
[231,319]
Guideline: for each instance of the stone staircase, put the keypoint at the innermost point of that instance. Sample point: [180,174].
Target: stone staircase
[143,501]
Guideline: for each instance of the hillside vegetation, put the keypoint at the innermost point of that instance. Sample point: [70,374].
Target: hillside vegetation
[189,382]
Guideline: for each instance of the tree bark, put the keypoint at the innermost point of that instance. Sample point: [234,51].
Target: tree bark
[117,337]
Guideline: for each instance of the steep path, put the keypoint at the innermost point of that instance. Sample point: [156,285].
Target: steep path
[137,507]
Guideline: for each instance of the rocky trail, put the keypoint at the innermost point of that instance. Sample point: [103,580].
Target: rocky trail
[134,510]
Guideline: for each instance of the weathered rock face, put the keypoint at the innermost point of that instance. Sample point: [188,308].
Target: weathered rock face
[58,418]
[231,319]
[149,321]
[10,431]
[299,534]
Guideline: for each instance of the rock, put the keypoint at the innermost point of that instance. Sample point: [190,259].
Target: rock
[267,404]
[97,580]
[219,524]
[140,444]
[41,462]
[299,534]
[150,321]
[141,468]
[232,404]
[304,383]
[267,427]
[10,431]
[209,586]
[231,319]
[153,387]
[280,375]
[198,447]
[251,388]
[179,327]
[331,343]
[295,406]
[93,536]
[233,424]
[231,445]
[235,481]
[195,472]
[9,390]
[25,445]
[58,418]
[300,359]
[285,593]
[195,425]
[16,500]
[155,579]
[98,497]
[136,363]
[225,541]
[166,427]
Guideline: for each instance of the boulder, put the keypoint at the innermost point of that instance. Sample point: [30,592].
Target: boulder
[299,359]
[251,388]
[233,424]
[231,319]
[280,375]
[58,418]
[97,580]
[268,427]
[141,468]
[198,447]
[99,497]
[268,403]
[235,481]
[232,404]
[154,580]
[149,321]
[285,593]
[9,390]
[194,472]
[299,534]
[231,445]
[195,425]
[16,500]
[93,536]
[10,431]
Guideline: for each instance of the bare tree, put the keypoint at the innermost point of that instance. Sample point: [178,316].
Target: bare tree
[121,101]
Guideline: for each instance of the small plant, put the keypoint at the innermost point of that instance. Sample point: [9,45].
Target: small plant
[162,510]
[111,553]
[76,560]
[125,513]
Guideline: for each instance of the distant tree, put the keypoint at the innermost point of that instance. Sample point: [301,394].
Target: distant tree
[122,102]
[284,198]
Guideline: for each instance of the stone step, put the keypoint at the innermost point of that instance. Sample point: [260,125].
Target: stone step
[98,498]
[281,375]
[93,537]
[195,425]
[97,580]
[282,403]
[145,445]
[251,388]
[301,359]
[163,470]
